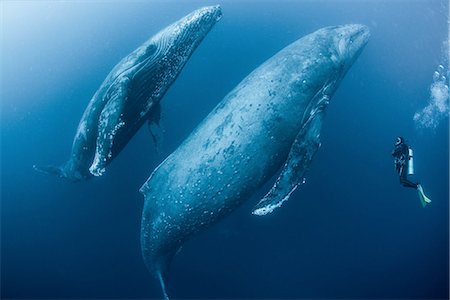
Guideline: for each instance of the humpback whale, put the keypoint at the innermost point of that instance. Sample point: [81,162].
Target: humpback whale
[131,94]
[270,121]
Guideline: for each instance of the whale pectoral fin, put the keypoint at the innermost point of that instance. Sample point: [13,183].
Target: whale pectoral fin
[155,127]
[300,156]
[49,169]
[110,122]
[63,171]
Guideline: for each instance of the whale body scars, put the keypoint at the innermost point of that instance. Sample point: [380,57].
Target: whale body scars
[270,121]
[131,93]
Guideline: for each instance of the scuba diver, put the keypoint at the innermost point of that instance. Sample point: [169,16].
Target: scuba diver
[403,162]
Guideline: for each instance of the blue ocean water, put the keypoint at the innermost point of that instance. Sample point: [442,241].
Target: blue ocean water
[350,232]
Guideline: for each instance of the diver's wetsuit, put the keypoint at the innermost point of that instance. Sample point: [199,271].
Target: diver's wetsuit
[401,154]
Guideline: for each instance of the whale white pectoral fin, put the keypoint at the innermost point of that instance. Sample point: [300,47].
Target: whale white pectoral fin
[62,171]
[155,127]
[49,169]
[300,156]
[110,122]
[112,112]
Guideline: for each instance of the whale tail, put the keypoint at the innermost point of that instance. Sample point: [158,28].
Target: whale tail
[162,269]
[159,266]
[163,285]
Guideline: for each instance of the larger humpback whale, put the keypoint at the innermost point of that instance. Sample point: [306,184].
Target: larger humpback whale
[270,121]
[131,94]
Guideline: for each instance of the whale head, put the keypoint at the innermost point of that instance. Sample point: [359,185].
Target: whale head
[348,41]
[186,34]
[198,23]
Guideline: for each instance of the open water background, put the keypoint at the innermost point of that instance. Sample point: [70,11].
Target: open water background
[350,232]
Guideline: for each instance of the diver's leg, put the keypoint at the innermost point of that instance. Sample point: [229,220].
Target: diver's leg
[405,182]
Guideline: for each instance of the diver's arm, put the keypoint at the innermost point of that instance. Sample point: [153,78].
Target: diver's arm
[397,150]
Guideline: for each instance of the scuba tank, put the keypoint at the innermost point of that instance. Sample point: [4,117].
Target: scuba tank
[410,162]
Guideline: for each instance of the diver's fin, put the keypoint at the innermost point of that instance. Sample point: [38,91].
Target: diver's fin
[155,128]
[423,199]
[51,170]
[305,145]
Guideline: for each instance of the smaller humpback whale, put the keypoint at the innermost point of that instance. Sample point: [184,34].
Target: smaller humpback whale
[270,121]
[131,93]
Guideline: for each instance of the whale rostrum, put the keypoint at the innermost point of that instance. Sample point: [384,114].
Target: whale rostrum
[270,121]
[131,94]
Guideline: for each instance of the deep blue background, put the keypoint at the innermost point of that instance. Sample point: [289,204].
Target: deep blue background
[350,232]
